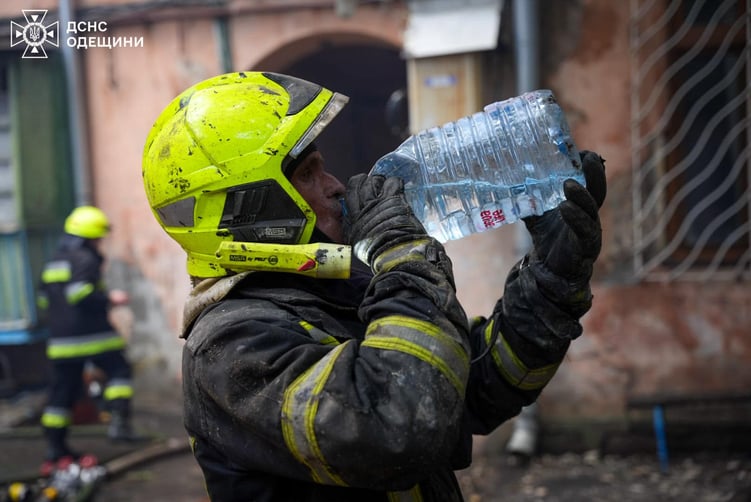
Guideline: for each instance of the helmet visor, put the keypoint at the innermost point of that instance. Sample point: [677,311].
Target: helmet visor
[332,109]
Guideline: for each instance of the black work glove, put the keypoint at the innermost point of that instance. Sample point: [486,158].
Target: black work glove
[567,239]
[377,215]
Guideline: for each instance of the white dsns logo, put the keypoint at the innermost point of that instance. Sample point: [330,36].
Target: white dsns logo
[35,34]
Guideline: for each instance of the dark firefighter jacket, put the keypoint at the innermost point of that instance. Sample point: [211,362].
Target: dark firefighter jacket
[299,389]
[76,302]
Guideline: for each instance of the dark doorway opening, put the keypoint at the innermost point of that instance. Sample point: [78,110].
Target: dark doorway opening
[369,75]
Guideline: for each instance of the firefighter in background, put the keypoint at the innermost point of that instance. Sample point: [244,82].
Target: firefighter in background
[364,386]
[77,312]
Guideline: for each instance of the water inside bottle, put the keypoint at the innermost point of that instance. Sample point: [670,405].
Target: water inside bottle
[488,169]
[454,210]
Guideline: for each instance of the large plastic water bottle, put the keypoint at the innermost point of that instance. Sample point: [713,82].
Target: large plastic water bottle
[491,168]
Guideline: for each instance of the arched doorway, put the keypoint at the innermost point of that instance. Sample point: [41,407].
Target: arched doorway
[369,73]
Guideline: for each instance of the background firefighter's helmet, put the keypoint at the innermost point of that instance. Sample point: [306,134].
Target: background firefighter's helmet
[214,162]
[88,222]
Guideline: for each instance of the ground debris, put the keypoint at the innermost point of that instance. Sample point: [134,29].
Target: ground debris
[701,477]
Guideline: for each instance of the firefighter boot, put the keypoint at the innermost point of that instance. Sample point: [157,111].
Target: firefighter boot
[57,449]
[120,428]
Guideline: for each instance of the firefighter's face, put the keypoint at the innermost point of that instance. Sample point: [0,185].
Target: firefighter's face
[322,190]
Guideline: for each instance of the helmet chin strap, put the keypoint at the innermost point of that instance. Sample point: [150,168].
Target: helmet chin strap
[321,260]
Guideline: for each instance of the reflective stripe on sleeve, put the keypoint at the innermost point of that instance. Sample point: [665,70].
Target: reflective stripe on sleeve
[77,291]
[56,271]
[412,495]
[299,410]
[85,345]
[513,369]
[423,340]
[43,301]
[401,253]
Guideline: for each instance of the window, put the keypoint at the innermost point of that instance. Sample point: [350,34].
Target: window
[8,213]
[690,139]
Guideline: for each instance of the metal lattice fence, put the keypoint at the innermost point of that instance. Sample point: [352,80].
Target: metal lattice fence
[691,139]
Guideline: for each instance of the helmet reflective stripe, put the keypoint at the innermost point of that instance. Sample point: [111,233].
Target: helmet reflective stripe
[56,271]
[88,222]
[178,214]
[213,163]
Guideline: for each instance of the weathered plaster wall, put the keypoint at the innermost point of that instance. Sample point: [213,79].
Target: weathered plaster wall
[647,339]
[639,339]
[127,88]
[256,38]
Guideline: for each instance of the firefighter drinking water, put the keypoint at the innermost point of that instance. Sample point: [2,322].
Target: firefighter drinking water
[307,385]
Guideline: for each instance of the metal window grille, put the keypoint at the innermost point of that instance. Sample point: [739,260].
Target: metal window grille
[691,139]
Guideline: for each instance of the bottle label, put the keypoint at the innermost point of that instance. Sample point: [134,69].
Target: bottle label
[491,219]
[493,215]
[508,211]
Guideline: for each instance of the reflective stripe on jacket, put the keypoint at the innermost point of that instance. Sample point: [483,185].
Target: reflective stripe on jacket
[66,347]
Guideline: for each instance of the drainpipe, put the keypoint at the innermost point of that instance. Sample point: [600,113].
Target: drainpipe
[221,30]
[526,44]
[524,435]
[527,78]
[76,113]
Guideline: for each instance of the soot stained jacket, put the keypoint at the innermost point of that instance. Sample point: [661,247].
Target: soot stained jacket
[301,389]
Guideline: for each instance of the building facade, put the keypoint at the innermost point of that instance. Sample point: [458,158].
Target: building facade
[659,88]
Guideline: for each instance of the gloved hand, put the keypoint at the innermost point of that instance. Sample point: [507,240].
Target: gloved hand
[377,215]
[567,240]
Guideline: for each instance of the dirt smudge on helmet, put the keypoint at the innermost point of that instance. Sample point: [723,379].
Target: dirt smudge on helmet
[267,90]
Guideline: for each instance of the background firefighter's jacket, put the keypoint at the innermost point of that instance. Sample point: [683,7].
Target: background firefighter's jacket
[330,390]
[75,302]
